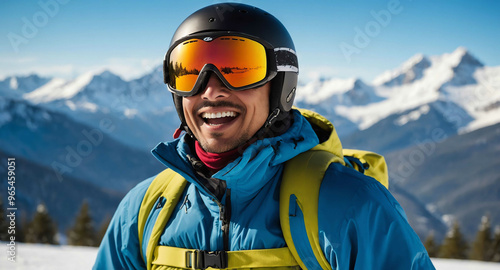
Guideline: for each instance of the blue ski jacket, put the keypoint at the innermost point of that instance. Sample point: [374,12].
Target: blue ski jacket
[361,225]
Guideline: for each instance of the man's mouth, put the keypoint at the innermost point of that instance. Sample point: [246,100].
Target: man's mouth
[218,118]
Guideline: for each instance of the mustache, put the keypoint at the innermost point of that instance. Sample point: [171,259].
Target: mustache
[216,104]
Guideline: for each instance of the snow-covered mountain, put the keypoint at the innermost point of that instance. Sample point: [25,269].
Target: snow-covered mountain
[425,116]
[71,149]
[141,110]
[326,95]
[456,78]
[410,71]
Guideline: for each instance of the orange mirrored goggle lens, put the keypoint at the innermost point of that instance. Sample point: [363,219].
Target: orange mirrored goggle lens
[241,61]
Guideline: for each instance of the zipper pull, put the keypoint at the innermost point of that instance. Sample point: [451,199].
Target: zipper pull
[185,203]
[222,213]
[223,218]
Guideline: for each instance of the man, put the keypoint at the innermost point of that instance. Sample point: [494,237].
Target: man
[233,71]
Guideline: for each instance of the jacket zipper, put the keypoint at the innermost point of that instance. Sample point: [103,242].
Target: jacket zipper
[224,211]
[225,217]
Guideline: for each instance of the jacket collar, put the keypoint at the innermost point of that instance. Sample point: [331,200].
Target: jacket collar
[262,160]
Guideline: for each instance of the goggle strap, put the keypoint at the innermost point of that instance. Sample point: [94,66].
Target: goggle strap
[165,72]
[286,60]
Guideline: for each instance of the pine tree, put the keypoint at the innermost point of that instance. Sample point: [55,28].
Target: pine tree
[495,246]
[41,229]
[4,224]
[431,246]
[83,233]
[454,245]
[481,248]
[21,228]
[102,229]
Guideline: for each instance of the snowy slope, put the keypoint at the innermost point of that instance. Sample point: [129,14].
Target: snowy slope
[46,257]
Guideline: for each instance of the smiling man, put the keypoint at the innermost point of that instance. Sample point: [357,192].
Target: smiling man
[245,188]
[221,119]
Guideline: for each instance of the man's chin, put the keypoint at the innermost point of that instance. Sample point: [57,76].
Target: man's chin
[220,145]
[216,148]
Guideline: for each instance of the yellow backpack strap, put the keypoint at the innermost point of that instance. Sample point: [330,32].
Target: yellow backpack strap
[370,163]
[244,259]
[169,185]
[301,181]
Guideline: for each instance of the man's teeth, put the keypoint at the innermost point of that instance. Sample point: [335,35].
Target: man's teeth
[218,115]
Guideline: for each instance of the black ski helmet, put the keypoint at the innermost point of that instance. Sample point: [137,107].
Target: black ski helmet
[234,18]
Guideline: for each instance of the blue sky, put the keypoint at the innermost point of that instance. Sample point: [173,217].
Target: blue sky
[344,39]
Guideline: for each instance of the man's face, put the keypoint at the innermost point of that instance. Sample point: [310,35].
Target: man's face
[221,119]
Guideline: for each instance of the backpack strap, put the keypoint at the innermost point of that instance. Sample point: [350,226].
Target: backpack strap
[301,182]
[165,192]
[299,194]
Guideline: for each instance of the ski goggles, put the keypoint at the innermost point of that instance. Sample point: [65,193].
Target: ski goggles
[240,61]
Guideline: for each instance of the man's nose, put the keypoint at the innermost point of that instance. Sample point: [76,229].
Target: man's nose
[215,89]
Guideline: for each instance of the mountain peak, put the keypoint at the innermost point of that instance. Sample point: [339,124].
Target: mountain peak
[21,84]
[410,71]
[461,56]
[358,83]
[462,65]
[106,74]
[414,61]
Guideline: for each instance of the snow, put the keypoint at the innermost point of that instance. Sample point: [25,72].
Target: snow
[320,89]
[13,83]
[404,68]
[481,100]
[60,89]
[449,264]
[45,93]
[457,77]
[89,106]
[47,257]
[412,116]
